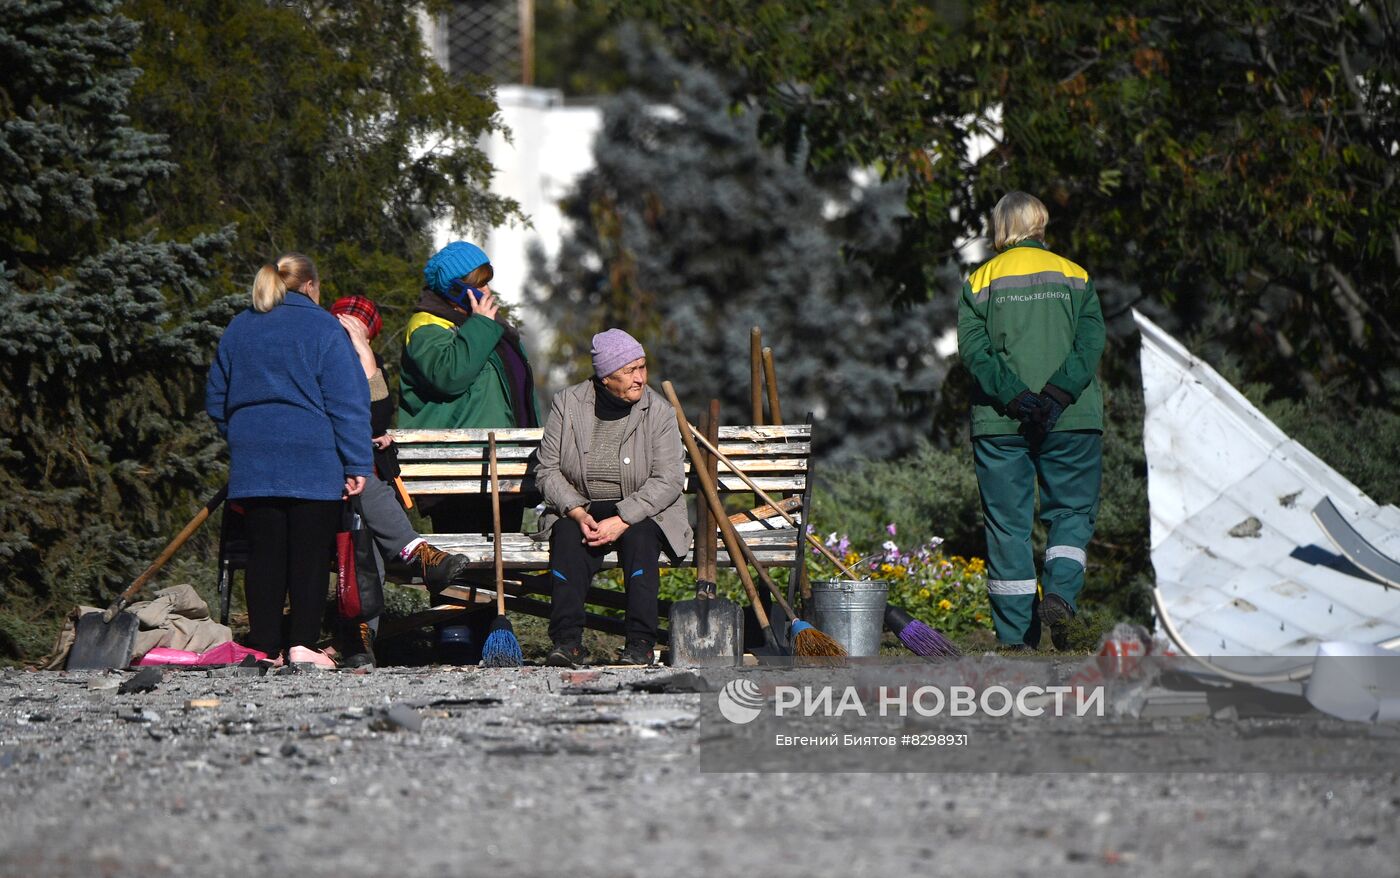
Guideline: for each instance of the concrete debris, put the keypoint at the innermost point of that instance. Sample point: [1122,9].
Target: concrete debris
[1250,528]
[687,681]
[398,718]
[145,680]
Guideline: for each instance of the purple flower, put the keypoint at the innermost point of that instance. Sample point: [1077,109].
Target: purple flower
[889,529]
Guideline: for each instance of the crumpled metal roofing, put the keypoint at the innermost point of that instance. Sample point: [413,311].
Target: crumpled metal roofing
[1242,567]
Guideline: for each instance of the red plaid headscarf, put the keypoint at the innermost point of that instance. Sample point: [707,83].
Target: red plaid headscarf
[362,308]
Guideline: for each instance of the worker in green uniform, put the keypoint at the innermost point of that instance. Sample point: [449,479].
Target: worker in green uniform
[1030,330]
[464,366]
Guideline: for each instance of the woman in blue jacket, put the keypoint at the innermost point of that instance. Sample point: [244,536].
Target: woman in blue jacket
[286,391]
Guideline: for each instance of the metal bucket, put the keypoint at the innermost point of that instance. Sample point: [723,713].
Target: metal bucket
[851,611]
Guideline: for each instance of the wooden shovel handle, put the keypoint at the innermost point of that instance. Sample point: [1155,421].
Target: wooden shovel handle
[756,374]
[770,377]
[762,495]
[712,466]
[707,485]
[496,526]
[763,574]
[703,529]
[170,550]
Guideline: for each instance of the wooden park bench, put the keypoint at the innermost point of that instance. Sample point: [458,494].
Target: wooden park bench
[455,462]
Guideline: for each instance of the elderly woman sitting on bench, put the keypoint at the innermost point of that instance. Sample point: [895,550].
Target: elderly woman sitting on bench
[612,471]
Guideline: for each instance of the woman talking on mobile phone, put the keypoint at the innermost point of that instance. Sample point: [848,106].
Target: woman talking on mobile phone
[464,366]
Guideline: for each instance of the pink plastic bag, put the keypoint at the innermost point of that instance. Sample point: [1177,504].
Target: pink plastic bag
[228,653]
[162,655]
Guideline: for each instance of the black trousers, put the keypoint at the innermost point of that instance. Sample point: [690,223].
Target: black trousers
[573,564]
[290,545]
[471,514]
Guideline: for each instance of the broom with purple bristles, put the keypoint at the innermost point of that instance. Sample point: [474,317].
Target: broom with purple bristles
[917,637]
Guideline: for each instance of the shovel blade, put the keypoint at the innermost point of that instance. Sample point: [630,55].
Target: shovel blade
[99,645]
[706,633]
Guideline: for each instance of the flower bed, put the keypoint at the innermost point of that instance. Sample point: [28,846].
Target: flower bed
[947,592]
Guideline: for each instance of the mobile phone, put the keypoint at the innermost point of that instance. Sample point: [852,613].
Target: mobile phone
[458,290]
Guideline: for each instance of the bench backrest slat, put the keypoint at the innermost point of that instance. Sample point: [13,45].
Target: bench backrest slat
[730,483]
[454,461]
[774,433]
[480,469]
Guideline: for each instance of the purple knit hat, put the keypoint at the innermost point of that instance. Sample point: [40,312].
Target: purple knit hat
[613,349]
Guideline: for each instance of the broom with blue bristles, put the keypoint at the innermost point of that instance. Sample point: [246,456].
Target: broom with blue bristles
[501,649]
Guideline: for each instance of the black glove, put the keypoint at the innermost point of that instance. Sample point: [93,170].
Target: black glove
[1053,402]
[1025,407]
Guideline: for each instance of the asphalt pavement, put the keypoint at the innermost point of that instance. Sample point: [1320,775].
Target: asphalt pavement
[536,771]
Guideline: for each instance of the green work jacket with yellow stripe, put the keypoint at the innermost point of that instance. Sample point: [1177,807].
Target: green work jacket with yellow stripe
[1028,318]
[452,376]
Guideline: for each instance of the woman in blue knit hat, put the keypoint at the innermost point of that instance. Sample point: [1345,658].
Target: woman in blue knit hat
[464,366]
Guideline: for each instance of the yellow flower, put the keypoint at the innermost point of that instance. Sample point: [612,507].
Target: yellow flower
[945,605]
[925,593]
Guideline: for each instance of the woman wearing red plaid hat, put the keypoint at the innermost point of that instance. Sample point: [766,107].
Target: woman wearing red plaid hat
[379,504]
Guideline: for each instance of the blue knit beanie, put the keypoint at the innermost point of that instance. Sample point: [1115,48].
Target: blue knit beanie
[457,259]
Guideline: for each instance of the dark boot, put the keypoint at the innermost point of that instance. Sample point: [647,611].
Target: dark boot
[567,655]
[1055,615]
[439,569]
[636,652]
[357,645]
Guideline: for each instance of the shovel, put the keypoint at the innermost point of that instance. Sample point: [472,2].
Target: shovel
[105,640]
[709,630]
[707,484]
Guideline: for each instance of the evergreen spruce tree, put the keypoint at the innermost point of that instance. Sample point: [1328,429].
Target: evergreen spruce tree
[325,128]
[690,230]
[102,353]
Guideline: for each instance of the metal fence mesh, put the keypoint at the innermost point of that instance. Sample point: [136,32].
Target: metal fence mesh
[484,38]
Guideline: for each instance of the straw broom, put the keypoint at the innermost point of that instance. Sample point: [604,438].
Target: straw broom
[806,639]
[502,649]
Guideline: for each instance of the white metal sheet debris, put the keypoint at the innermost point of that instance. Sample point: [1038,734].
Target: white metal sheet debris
[1242,567]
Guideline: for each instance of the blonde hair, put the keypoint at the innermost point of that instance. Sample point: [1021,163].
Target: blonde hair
[289,272]
[1016,218]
